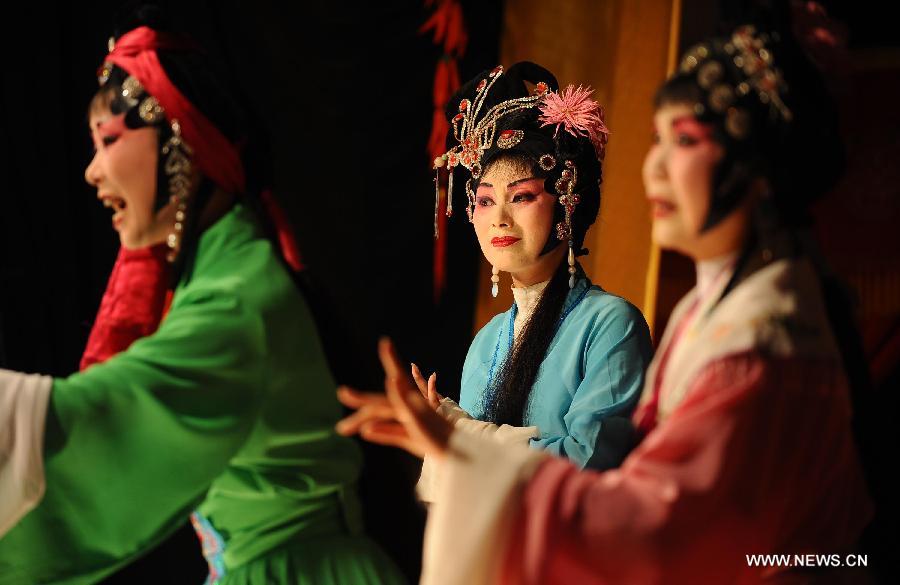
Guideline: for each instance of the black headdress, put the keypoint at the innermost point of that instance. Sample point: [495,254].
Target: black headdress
[786,134]
[562,133]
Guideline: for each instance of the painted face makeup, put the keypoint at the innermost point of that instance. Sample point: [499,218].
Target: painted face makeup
[678,176]
[513,219]
[124,172]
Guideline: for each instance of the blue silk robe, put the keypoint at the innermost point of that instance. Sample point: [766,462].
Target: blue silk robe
[588,384]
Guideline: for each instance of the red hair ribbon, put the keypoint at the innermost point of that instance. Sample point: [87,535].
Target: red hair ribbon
[214,155]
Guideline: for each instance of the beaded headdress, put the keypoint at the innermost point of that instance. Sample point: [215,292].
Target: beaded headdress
[735,86]
[562,132]
[148,97]
[728,71]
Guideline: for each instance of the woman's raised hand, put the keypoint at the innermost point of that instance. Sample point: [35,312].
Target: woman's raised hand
[427,388]
[402,417]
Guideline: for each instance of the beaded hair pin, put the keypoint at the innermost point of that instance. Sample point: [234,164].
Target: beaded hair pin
[749,52]
[571,110]
[475,137]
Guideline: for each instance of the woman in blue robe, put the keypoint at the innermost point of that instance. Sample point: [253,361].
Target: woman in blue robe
[563,367]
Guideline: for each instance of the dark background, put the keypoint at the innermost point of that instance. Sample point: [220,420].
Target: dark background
[344,91]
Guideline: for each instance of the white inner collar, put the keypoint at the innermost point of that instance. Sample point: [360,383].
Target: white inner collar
[527,298]
[711,272]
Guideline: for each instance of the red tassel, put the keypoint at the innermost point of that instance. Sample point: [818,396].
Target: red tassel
[441,86]
[456,39]
[449,31]
[437,22]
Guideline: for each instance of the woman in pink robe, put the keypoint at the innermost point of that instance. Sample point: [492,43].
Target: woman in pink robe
[746,411]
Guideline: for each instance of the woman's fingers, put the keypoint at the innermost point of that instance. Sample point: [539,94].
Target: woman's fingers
[432,382]
[391,434]
[393,368]
[419,379]
[353,398]
[434,399]
[402,398]
[428,388]
[371,412]
[427,431]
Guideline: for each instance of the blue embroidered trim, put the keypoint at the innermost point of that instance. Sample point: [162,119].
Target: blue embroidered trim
[512,317]
[213,547]
[509,325]
[565,313]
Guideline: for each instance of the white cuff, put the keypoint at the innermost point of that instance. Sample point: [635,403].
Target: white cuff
[450,410]
[430,477]
[503,434]
[477,498]
[23,411]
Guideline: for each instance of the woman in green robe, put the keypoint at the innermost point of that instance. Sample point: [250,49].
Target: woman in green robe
[224,413]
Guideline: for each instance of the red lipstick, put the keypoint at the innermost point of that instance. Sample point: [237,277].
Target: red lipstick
[660,207]
[504,241]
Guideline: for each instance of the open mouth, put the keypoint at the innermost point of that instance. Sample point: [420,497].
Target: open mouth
[660,207]
[117,204]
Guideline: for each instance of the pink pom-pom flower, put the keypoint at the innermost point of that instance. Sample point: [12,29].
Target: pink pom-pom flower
[573,110]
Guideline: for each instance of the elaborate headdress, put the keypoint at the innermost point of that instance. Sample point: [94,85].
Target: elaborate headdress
[148,97]
[737,84]
[562,133]
[737,76]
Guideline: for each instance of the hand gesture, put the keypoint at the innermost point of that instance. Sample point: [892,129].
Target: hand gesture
[402,417]
[428,389]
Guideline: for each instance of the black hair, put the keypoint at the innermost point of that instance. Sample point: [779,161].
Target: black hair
[509,391]
[538,140]
[801,159]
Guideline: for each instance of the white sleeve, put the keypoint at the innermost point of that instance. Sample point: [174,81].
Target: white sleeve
[23,411]
[450,410]
[504,434]
[477,496]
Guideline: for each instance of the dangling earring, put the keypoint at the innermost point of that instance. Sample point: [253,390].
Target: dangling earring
[439,162]
[495,281]
[178,169]
[571,265]
[437,194]
[449,191]
[565,185]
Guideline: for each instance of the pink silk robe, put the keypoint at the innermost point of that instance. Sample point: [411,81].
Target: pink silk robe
[752,453]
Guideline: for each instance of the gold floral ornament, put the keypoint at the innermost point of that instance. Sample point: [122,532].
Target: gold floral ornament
[475,134]
[751,57]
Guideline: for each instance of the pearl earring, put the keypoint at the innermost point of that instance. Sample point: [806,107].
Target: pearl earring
[571,266]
